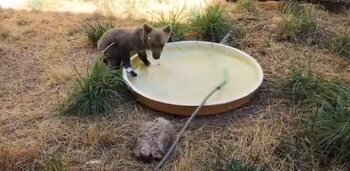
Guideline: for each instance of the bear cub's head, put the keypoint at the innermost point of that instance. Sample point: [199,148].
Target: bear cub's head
[156,38]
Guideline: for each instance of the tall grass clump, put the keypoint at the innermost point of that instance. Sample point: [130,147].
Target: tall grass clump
[305,88]
[322,133]
[291,7]
[101,91]
[178,22]
[38,4]
[246,6]
[212,24]
[93,30]
[299,23]
[341,45]
[54,164]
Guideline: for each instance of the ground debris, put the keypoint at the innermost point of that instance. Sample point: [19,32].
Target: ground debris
[153,139]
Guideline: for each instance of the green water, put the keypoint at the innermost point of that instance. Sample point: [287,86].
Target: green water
[187,75]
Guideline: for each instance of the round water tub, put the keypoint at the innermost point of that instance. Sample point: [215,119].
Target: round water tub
[187,71]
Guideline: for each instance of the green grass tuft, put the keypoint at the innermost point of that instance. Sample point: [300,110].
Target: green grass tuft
[246,5]
[330,130]
[299,24]
[306,88]
[323,129]
[291,7]
[99,92]
[212,24]
[54,164]
[38,4]
[342,45]
[178,23]
[95,29]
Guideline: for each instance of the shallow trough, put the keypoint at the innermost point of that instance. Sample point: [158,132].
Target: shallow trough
[188,70]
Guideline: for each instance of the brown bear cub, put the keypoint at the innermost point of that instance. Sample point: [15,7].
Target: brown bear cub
[118,45]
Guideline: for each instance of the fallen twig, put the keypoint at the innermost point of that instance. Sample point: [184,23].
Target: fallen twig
[188,121]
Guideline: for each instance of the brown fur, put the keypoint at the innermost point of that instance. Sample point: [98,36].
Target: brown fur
[119,44]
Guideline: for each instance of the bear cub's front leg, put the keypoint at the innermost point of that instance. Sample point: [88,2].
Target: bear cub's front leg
[126,64]
[143,57]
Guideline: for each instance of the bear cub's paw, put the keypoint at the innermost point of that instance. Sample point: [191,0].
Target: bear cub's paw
[147,63]
[133,74]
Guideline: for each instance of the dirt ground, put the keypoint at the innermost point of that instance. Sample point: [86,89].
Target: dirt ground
[38,54]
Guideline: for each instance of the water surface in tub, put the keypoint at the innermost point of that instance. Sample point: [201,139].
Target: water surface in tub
[186,75]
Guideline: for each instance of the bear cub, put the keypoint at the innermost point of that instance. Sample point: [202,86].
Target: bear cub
[118,45]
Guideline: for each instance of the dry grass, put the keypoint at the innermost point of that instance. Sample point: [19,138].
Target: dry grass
[246,6]
[36,69]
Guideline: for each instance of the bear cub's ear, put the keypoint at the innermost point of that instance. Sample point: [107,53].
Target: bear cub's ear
[167,29]
[147,28]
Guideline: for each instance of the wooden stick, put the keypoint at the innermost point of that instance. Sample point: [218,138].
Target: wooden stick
[226,38]
[188,121]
